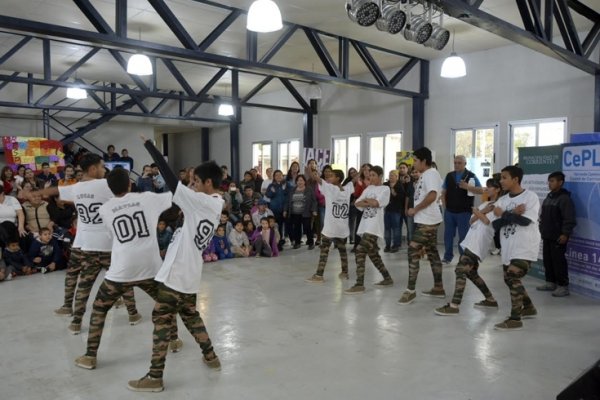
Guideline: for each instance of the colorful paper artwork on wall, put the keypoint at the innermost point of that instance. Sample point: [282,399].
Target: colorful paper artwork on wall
[32,152]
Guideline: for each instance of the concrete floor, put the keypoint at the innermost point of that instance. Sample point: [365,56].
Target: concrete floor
[281,338]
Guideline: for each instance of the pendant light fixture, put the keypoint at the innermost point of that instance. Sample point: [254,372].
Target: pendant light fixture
[139,64]
[76,93]
[264,16]
[453,66]
[225,110]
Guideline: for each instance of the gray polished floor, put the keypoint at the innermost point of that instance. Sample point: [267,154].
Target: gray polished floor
[281,338]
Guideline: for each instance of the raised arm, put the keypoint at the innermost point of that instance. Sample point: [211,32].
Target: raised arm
[169,176]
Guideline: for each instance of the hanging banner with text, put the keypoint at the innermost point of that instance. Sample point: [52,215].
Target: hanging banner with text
[581,166]
[32,152]
[322,156]
[537,163]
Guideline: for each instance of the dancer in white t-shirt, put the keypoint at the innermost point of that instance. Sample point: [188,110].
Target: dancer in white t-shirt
[476,247]
[372,203]
[181,271]
[518,213]
[91,249]
[135,260]
[427,216]
[335,228]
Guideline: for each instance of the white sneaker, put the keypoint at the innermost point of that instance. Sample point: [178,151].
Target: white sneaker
[8,277]
[495,252]
[43,270]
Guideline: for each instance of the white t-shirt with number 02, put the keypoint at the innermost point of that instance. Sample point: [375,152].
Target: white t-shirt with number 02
[182,268]
[372,218]
[88,197]
[132,221]
[337,206]
[430,181]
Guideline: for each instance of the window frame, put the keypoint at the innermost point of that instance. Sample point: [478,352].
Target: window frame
[536,122]
[262,142]
[383,135]
[347,136]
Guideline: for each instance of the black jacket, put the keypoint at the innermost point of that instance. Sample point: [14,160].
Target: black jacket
[558,215]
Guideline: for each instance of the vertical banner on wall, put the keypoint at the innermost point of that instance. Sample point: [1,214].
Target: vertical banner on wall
[322,156]
[537,163]
[32,152]
[581,166]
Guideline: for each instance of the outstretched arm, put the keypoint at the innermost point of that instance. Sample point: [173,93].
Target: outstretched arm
[169,176]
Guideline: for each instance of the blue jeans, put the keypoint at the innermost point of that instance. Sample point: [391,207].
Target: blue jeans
[393,228]
[452,222]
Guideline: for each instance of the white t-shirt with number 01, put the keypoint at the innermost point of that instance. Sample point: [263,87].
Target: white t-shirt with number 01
[430,181]
[132,221]
[182,268]
[372,218]
[88,197]
[337,207]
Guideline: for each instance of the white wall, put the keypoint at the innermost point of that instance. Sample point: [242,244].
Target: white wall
[505,84]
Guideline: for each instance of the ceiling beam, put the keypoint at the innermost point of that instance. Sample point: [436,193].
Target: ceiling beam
[473,16]
[114,42]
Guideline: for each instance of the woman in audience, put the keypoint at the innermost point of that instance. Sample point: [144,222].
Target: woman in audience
[360,184]
[12,220]
[302,206]
[277,194]
[36,213]
[30,177]
[293,173]
[8,180]
[22,192]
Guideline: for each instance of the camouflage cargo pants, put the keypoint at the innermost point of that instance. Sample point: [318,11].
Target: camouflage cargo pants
[169,303]
[108,293]
[90,263]
[518,295]
[424,237]
[340,244]
[467,268]
[368,247]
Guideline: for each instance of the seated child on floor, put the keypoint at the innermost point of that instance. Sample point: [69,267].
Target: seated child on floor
[15,259]
[5,272]
[240,245]
[225,222]
[209,254]
[221,244]
[249,228]
[45,252]
[264,240]
[164,235]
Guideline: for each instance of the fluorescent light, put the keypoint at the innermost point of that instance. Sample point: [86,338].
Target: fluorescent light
[76,93]
[264,16]
[139,64]
[226,110]
[453,67]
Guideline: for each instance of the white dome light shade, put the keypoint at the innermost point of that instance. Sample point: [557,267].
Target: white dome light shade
[453,67]
[139,64]
[264,16]
[225,110]
[76,93]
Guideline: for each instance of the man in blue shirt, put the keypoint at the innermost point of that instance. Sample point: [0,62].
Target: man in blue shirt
[458,195]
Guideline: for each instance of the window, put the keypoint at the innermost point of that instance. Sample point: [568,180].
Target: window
[383,149]
[544,132]
[288,152]
[261,157]
[346,152]
[477,145]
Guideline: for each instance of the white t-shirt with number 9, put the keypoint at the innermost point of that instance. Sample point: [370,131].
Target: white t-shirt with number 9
[182,268]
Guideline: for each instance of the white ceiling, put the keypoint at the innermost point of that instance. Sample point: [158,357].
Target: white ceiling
[199,20]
